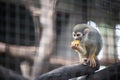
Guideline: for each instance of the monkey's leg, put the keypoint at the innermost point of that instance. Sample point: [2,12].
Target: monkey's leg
[92,57]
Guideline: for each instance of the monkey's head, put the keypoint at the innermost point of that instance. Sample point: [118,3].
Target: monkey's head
[79,31]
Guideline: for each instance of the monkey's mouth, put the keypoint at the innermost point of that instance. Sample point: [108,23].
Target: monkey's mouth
[76,42]
[80,38]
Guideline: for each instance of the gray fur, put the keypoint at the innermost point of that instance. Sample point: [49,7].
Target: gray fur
[93,38]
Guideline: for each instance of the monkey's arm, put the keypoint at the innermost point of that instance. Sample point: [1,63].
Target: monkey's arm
[81,50]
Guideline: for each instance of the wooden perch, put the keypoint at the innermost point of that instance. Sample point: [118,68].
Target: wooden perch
[26,52]
[110,73]
[66,72]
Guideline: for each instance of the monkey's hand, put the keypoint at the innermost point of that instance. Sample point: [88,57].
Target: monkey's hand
[75,45]
[80,49]
[92,60]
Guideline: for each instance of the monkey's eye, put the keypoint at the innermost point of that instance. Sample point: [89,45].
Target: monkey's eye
[79,34]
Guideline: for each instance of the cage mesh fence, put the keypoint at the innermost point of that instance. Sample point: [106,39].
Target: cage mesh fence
[21,32]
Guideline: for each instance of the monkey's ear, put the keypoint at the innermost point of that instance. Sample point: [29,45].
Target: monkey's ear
[86,31]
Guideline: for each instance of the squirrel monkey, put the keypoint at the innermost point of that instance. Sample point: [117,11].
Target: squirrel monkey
[87,43]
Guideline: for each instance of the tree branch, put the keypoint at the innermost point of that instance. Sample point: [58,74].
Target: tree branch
[47,38]
[110,73]
[7,74]
[66,72]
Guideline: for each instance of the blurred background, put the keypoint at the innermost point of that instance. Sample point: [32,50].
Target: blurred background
[35,35]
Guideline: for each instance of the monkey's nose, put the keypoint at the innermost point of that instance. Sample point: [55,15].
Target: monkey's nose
[78,38]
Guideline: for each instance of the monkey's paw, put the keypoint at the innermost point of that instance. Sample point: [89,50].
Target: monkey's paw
[85,61]
[92,62]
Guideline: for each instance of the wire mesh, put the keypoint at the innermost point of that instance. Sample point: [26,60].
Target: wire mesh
[21,30]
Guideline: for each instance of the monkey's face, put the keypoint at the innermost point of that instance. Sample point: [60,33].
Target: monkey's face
[79,31]
[77,35]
